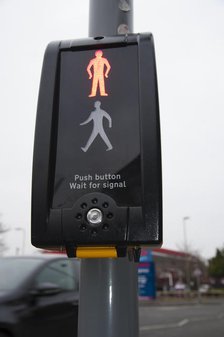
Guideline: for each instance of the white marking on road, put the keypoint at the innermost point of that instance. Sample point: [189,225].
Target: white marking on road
[165,326]
[179,324]
[184,322]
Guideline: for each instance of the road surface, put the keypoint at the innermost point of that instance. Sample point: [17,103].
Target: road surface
[196,320]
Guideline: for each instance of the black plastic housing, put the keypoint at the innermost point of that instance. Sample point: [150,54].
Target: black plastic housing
[132,212]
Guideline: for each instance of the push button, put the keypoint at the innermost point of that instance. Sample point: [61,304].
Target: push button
[94,216]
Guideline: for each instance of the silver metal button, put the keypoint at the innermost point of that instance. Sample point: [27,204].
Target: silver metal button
[94,216]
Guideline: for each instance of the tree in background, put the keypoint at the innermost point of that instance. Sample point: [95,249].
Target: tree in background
[3,246]
[216,265]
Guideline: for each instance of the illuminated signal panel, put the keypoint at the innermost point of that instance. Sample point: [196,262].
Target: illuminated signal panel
[102,138]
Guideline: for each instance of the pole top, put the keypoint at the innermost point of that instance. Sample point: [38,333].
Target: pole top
[110,17]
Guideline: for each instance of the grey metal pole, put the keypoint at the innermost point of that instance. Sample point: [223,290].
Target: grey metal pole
[110,17]
[108,298]
[108,287]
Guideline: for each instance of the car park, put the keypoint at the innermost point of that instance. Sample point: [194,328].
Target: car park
[39,296]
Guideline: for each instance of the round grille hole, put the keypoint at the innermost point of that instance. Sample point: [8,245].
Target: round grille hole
[105,227]
[83,227]
[94,232]
[110,215]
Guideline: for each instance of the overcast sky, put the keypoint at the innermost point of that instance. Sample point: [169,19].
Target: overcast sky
[189,41]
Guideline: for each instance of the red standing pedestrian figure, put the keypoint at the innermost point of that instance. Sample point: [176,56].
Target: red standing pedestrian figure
[98,65]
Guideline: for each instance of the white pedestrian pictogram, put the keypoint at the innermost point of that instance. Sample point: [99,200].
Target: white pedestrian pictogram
[97,117]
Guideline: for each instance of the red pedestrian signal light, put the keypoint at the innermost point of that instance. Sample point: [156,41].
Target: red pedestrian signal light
[98,68]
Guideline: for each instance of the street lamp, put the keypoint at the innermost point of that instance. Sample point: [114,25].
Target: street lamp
[24,234]
[185,218]
[186,250]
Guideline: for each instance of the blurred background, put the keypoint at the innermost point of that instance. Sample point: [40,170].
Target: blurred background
[189,42]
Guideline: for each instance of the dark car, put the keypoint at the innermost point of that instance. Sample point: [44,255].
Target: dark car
[39,296]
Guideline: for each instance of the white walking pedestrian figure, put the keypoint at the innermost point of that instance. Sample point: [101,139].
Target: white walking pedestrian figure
[97,117]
